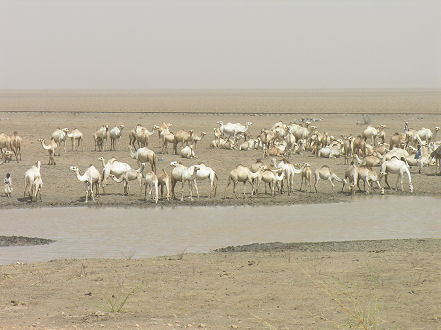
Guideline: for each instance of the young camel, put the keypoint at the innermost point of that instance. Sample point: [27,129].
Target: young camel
[130,175]
[306,177]
[30,176]
[326,173]
[91,179]
[151,181]
[164,181]
[36,188]
[183,174]
[76,135]
[367,175]
[50,148]
[351,176]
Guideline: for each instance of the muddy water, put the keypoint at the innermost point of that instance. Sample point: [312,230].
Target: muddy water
[135,232]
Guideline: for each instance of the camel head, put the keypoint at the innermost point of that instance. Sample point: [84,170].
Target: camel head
[174,164]
[73,168]
[248,123]
[155,127]
[203,134]
[65,130]
[436,129]
[121,127]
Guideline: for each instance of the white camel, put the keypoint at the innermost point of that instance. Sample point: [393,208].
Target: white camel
[151,181]
[91,179]
[50,149]
[203,173]
[290,171]
[30,176]
[113,167]
[59,135]
[99,137]
[187,152]
[76,135]
[396,166]
[231,129]
[36,188]
[183,174]
[368,175]
[115,136]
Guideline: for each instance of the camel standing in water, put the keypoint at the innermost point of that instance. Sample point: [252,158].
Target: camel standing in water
[396,166]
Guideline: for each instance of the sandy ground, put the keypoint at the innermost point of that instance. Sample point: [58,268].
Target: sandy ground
[373,285]
[368,284]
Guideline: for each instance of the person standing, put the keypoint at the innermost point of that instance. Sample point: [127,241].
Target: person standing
[8,185]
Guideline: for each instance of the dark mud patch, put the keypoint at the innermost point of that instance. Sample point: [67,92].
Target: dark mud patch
[23,241]
[374,246]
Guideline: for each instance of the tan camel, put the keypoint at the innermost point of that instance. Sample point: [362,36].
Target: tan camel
[369,161]
[151,181]
[272,178]
[351,177]
[359,146]
[144,155]
[51,147]
[76,135]
[241,174]
[397,141]
[115,136]
[167,137]
[436,154]
[130,175]
[16,142]
[347,141]
[367,175]
[30,176]
[183,137]
[132,135]
[143,137]
[164,181]
[91,179]
[326,173]
[194,139]
[163,128]
[183,174]
[307,176]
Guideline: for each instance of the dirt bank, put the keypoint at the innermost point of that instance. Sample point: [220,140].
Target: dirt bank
[23,241]
[380,284]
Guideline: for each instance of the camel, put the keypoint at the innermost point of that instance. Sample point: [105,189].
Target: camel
[196,138]
[132,135]
[372,133]
[117,169]
[7,156]
[382,148]
[142,136]
[181,173]
[203,173]
[290,170]
[396,166]
[144,155]
[250,144]
[99,136]
[130,175]
[76,135]
[5,143]
[16,142]
[395,152]
[397,141]
[183,137]
[164,127]
[115,135]
[36,188]
[30,176]
[351,177]
[426,134]
[50,148]
[255,167]
[368,175]
[151,181]
[437,155]
[91,179]
[369,161]
[164,180]
[231,129]
[326,173]
[272,178]
[59,136]
[306,176]
[166,137]
[329,152]
[241,174]
[359,146]
[187,152]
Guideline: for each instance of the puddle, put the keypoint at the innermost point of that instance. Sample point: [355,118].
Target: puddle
[138,233]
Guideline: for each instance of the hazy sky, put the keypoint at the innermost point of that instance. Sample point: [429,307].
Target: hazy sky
[123,44]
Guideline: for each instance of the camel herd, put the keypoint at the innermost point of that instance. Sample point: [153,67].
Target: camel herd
[362,153]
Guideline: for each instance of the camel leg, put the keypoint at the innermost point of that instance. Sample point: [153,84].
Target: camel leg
[196,187]
[332,184]
[182,195]
[317,179]
[156,191]
[385,180]
[190,187]
[244,189]
[399,179]
[226,187]
[301,184]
